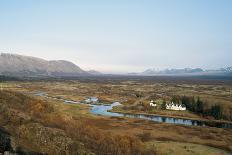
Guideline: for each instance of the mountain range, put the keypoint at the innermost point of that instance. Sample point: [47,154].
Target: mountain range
[188,71]
[26,66]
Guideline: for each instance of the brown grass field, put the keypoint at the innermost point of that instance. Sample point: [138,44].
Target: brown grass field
[38,124]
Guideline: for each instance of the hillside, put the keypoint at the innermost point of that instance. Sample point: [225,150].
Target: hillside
[29,125]
[24,129]
[18,65]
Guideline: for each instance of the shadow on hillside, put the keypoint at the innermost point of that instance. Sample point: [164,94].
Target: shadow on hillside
[5,145]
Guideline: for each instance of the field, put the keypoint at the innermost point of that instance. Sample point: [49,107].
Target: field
[45,125]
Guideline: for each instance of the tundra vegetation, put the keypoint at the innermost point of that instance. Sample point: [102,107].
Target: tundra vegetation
[33,124]
[36,126]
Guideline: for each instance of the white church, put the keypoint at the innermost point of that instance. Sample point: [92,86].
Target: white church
[172,106]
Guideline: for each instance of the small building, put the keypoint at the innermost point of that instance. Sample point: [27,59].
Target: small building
[91,100]
[173,106]
[152,104]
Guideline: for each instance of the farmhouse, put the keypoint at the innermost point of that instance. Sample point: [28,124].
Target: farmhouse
[152,104]
[172,106]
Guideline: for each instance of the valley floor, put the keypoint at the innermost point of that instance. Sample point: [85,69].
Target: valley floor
[41,124]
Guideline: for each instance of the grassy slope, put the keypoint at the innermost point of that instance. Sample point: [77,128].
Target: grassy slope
[172,148]
[56,128]
[22,117]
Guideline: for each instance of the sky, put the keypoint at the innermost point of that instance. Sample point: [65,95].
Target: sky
[120,36]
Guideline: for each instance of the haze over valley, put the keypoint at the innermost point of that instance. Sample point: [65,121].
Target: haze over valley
[122,77]
[27,66]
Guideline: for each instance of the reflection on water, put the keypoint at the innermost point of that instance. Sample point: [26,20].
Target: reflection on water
[104,110]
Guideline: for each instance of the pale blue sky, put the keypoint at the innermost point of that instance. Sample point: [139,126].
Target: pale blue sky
[120,35]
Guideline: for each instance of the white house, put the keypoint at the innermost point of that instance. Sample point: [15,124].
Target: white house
[172,106]
[91,100]
[152,104]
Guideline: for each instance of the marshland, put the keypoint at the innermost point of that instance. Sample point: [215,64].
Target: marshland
[46,123]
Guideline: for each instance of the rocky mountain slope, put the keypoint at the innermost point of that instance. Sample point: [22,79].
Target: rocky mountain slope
[18,65]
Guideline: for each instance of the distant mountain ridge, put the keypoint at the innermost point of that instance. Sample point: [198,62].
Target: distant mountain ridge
[14,65]
[188,71]
[19,65]
[173,71]
[93,72]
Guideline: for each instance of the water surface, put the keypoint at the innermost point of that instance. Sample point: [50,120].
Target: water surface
[104,110]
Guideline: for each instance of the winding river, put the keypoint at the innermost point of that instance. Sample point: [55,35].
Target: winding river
[104,110]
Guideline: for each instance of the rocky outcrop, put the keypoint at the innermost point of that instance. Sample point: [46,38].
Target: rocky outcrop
[51,140]
[5,141]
